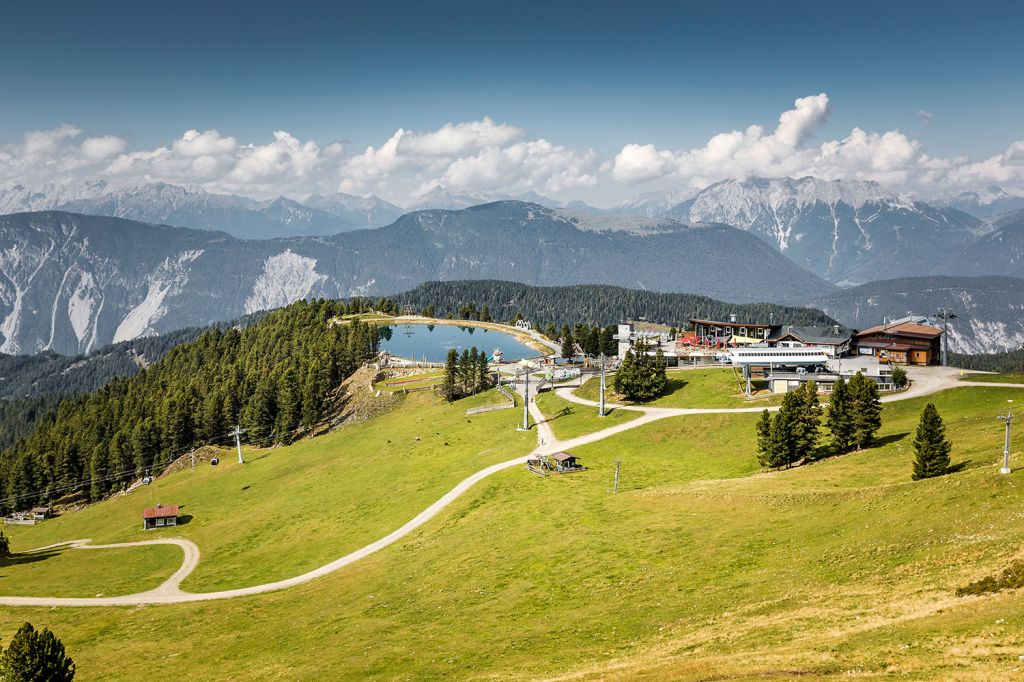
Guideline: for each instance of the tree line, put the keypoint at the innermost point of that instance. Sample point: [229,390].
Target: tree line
[274,378]
[590,303]
[1010,362]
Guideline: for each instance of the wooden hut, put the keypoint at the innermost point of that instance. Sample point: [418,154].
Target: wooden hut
[159,517]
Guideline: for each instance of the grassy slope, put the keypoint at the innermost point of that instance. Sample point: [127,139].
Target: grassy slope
[344,489]
[712,387]
[700,567]
[569,420]
[995,378]
[63,572]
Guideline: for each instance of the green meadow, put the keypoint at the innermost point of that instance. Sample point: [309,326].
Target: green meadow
[701,566]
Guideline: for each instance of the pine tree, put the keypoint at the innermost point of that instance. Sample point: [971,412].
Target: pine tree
[34,656]
[839,418]
[289,406]
[765,454]
[483,372]
[5,545]
[866,410]
[451,370]
[466,372]
[931,448]
[807,420]
[641,376]
[568,346]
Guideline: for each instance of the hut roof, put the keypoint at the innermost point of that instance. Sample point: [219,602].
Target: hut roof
[159,512]
[562,456]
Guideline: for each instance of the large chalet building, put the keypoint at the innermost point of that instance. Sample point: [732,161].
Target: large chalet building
[903,342]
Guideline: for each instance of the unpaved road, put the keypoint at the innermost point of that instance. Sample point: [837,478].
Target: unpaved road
[925,382]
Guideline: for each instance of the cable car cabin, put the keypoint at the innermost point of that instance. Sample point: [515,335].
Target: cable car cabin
[159,517]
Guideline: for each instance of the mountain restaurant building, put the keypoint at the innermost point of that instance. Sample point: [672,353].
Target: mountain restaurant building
[903,342]
[718,332]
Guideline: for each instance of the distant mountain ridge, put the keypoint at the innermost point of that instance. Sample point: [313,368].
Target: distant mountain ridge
[982,203]
[848,232]
[161,203]
[73,283]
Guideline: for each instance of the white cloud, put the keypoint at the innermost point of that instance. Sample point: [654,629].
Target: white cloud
[485,156]
[103,147]
[890,157]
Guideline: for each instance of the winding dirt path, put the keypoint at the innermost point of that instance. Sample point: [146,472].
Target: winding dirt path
[170,592]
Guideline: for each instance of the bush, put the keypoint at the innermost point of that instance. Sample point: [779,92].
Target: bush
[5,545]
[1011,578]
[899,377]
[641,377]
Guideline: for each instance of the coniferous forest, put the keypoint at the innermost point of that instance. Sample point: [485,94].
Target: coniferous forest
[591,303]
[274,378]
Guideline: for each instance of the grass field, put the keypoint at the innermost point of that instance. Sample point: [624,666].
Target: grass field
[63,572]
[995,378]
[343,490]
[569,420]
[410,382]
[701,567]
[711,387]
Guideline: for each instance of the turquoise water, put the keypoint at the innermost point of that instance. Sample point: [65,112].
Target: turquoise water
[431,342]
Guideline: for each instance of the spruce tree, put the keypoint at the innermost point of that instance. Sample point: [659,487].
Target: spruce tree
[839,418]
[568,346]
[806,421]
[765,453]
[483,372]
[931,448]
[866,410]
[33,656]
[451,370]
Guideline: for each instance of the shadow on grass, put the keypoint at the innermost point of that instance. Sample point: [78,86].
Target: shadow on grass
[891,438]
[184,519]
[958,467]
[18,559]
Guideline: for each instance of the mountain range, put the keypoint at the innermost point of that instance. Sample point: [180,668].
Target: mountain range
[981,203]
[72,282]
[242,217]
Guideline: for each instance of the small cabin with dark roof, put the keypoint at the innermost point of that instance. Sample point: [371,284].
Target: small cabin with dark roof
[565,461]
[159,517]
[39,513]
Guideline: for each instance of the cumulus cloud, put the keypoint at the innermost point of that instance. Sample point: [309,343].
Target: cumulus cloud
[103,147]
[889,157]
[493,158]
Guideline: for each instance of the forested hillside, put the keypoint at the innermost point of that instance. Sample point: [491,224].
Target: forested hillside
[1009,362]
[32,385]
[593,304]
[274,378]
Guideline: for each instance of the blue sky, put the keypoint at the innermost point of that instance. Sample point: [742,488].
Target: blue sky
[589,76]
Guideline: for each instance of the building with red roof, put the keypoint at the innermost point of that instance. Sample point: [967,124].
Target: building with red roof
[159,517]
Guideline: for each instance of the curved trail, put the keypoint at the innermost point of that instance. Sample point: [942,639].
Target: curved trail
[169,592]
